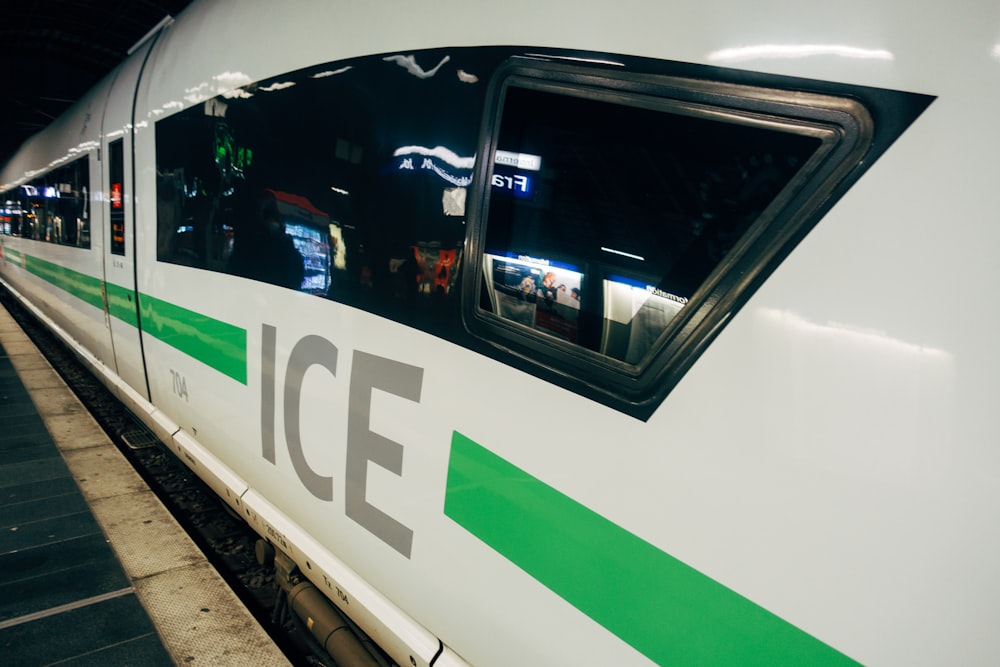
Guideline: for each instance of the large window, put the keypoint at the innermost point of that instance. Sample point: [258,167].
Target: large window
[53,208]
[607,215]
[627,217]
[594,223]
[346,181]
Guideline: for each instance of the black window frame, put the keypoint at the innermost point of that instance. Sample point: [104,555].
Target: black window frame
[842,122]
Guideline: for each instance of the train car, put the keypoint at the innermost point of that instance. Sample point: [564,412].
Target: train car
[553,332]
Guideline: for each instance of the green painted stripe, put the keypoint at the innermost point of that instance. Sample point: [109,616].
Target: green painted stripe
[215,343]
[121,304]
[87,288]
[666,610]
[13,255]
[80,285]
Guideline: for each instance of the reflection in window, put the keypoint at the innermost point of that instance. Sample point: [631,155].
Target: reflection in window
[54,208]
[635,314]
[350,184]
[606,216]
[537,293]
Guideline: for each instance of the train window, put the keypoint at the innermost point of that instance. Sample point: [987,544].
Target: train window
[53,208]
[623,218]
[347,180]
[592,224]
[116,196]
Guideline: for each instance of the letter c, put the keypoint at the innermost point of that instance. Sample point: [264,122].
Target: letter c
[308,352]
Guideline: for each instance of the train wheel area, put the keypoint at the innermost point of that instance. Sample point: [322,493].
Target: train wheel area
[93,568]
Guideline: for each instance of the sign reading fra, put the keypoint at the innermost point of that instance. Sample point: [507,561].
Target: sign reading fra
[368,371]
[519,184]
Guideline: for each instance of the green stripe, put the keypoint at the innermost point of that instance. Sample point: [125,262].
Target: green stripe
[13,255]
[666,610]
[121,303]
[80,285]
[215,343]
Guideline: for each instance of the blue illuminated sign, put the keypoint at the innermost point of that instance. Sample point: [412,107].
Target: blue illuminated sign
[518,184]
[646,287]
[458,177]
[439,160]
[530,259]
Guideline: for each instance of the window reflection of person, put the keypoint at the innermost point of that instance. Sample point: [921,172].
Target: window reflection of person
[263,251]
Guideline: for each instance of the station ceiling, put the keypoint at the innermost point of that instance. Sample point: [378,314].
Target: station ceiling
[53,51]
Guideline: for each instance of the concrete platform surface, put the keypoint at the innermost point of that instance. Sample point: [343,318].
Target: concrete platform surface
[93,569]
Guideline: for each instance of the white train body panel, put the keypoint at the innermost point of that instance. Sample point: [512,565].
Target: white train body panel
[831,456]
[73,137]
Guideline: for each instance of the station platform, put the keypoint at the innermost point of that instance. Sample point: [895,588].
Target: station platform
[93,569]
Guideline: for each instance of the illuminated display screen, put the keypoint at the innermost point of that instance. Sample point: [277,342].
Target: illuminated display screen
[509,176]
[315,251]
[538,293]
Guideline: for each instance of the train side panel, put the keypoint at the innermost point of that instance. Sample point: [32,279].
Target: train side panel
[118,175]
[773,469]
[818,486]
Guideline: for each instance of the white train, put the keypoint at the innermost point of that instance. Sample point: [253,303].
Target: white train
[547,333]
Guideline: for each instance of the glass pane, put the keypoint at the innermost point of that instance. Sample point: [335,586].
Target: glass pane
[605,217]
[116,171]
